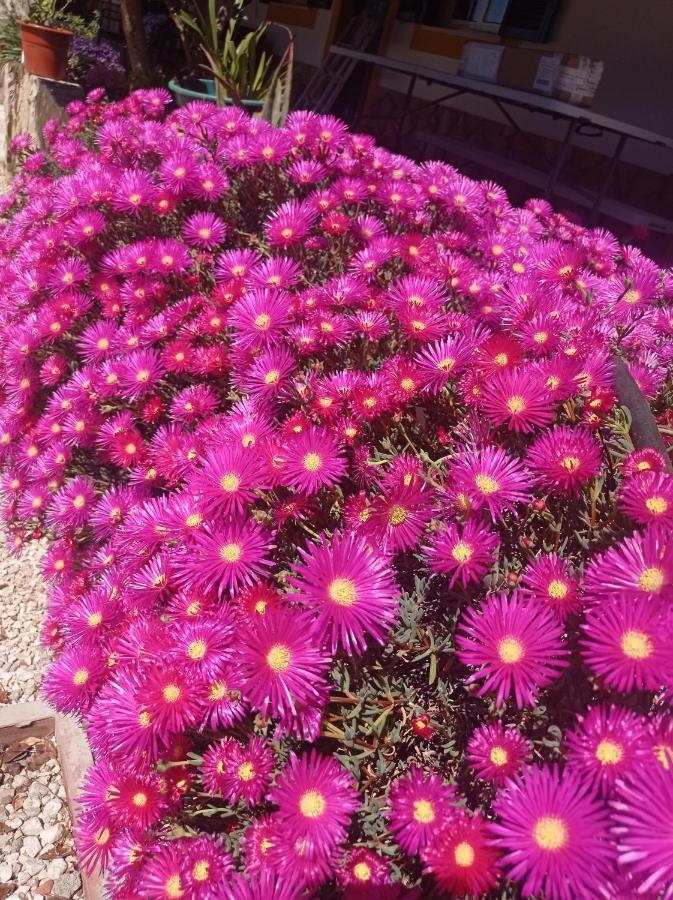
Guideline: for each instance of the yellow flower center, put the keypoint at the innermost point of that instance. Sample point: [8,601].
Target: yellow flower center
[498,756]
[231,553]
[201,870]
[272,376]
[501,359]
[217,691]
[230,482]
[171,693]
[94,620]
[486,484]
[463,854]
[516,404]
[80,677]
[139,799]
[609,753]
[636,644]
[312,462]
[550,833]
[173,887]
[102,837]
[193,521]
[397,515]
[312,804]
[79,501]
[263,321]
[570,463]
[362,871]
[651,580]
[557,589]
[462,552]
[446,364]
[197,650]
[424,811]
[656,505]
[246,771]
[343,592]
[144,719]
[407,384]
[279,658]
[510,650]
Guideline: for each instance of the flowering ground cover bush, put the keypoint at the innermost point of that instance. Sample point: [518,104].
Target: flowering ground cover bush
[356,579]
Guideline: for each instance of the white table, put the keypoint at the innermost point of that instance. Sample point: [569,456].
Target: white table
[504,98]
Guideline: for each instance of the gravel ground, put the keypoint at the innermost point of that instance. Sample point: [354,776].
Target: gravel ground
[36,849]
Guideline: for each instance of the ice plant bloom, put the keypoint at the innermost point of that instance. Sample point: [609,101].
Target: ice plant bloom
[490,479]
[466,554]
[608,743]
[564,459]
[420,804]
[351,591]
[517,647]
[496,753]
[648,497]
[316,798]
[553,832]
[461,858]
[548,580]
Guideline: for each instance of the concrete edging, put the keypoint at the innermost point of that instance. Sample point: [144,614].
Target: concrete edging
[37,719]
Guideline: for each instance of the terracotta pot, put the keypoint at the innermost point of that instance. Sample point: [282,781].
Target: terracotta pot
[45,50]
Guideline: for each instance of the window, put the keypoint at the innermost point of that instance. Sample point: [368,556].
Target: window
[528,20]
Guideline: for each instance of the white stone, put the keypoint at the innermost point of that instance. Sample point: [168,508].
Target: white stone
[32,846]
[51,809]
[33,866]
[32,826]
[55,868]
[5,873]
[51,834]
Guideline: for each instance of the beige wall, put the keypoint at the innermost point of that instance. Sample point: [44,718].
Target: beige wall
[635,41]
[637,83]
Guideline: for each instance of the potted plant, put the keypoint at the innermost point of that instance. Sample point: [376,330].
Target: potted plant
[46,33]
[242,71]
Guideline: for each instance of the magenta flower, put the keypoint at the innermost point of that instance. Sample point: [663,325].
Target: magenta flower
[643,819]
[420,806]
[225,558]
[460,857]
[648,498]
[513,398]
[463,553]
[516,647]
[497,753]
[564,459]
[490,479]
[548,580]
[311,461]
[316,798]
[352,592]
[553,831]
[609,743]
[282,663]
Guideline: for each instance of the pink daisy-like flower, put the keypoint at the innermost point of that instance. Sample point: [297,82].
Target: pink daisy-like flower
[238,773]
[71,506]
[608,743]
[640,461]
[517,647]
[629,645]
[420,805]
[228,478]
[643,824]
[225,557]
[648,497]
[564,459]
[463,553]
[204,230]
[554,833]
[170,699]
[639,568]
[548,580]
[398,517]
[289,223]
[360,871]
[515,399]
[351,591]
[316,798]
[490,479]
[74,679]
[312,460]
[461,858]
[282,663]
[496,753]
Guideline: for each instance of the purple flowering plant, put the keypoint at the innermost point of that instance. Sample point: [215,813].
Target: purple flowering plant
[356,580]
